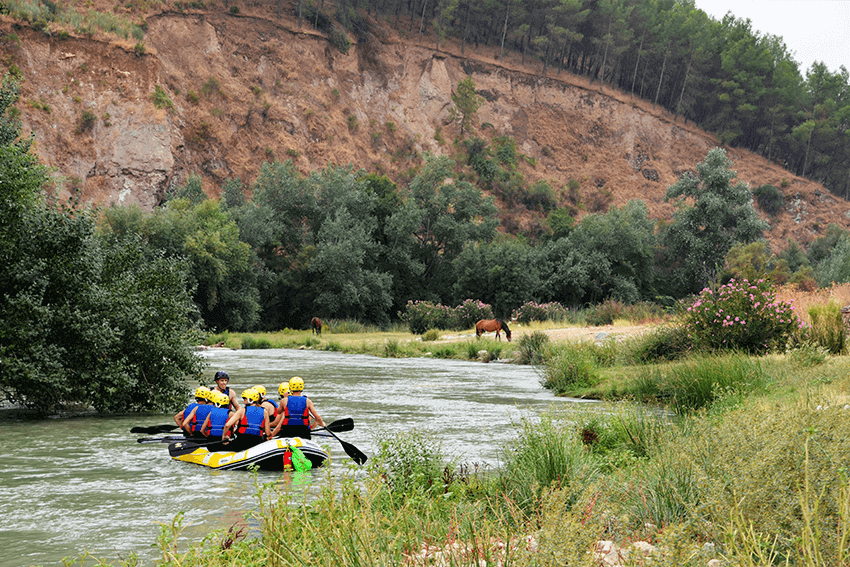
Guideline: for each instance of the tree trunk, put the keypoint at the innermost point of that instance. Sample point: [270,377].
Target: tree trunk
[604,58]
[640,50]
[505,31]
[806,158]
[661,78]
[439,26]
[422,21]
[684,84]
[465,27]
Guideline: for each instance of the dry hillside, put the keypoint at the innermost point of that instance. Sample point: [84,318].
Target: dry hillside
[248,87]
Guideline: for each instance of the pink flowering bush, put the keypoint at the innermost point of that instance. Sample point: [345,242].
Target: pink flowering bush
[533,311]
[741,316]
[470,312]
[423,315]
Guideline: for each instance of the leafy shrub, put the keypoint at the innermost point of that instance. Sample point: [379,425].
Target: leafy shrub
[161,100]
[423,315]
[419,316]
[642,312]
[431,335]
[344,326]
[469,312]
[540,197]
[741,316]
[533,311]
[827,328]
[531,348]
[667,342]
[569,368]
[410,464]
[808,354]
[340,39]
[86,121]
[547,454]
[701,381]
[604,313]
[769,198]
[251,342]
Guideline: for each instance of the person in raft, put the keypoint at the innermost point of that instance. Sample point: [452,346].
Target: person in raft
[250,423]
[213,426]
[283,390]
[195,419]
[201,398]
[221,384]
[299,408]
[268,403]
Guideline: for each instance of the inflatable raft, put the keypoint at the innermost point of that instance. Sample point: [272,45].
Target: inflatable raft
[273,455]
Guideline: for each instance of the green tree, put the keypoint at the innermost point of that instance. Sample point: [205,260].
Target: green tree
[835,268]
[722,215]
[607,255]
[82,321]
[346,281]
[440,215]
[466,105]
[222,278]
[503,274]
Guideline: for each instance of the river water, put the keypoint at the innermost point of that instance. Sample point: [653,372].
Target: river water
[79,485]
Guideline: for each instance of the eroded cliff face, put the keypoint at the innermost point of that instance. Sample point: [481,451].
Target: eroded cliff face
[244,89]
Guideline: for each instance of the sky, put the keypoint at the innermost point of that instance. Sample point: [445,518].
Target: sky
[813,30]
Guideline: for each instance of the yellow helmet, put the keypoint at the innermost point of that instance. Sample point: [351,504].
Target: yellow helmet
[296,384]
[261,389]
[251,394]
[202,392]
[283,389]
[220,399]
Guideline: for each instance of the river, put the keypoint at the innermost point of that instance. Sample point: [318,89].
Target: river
[77,485]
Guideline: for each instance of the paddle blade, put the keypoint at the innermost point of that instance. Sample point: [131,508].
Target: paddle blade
[154,429]
[356,454]
[340,425]
[182,448]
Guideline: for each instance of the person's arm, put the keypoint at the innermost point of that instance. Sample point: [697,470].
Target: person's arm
[206,426]
[178,418]
[314,413]
[232,420]
[234,400]
[266,427]
[186,425]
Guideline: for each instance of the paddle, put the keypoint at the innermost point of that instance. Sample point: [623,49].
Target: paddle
[154,429]
[356,454]
[338,426]
[168,439]
[186,447]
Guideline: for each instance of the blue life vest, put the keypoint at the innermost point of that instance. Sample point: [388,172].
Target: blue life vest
[296,412]
[201,416]
[189,409]
[252,422]
[218,417]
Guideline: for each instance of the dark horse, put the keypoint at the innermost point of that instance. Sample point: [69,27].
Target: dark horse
[490,325]
[316,324]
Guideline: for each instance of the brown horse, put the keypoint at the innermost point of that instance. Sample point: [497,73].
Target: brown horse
[316,324]
[490,325]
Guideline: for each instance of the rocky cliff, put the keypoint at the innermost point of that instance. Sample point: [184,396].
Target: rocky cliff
[217,94]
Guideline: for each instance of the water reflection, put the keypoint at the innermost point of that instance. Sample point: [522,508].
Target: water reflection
[84,484]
